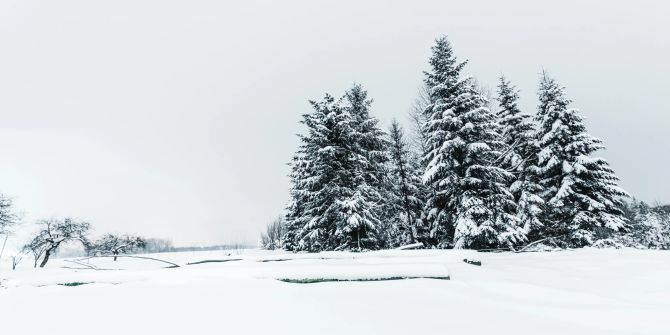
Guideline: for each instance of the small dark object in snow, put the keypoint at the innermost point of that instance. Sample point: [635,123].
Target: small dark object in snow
[478,263]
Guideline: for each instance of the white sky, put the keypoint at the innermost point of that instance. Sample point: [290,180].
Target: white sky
[177,118]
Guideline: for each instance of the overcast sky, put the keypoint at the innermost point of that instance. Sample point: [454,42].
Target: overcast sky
[177,118]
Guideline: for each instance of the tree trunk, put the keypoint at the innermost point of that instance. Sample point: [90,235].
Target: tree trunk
[46,258]
[358,237]
[410,223]
[3,245]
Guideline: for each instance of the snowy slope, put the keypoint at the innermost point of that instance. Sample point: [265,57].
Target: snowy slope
[572,292]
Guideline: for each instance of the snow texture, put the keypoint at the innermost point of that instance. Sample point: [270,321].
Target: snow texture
[586,291]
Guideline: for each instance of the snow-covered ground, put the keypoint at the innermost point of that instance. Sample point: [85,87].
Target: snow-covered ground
[571,292]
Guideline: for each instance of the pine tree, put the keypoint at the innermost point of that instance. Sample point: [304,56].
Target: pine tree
[301,233]
[469,205]
[367,146]
[580,191]
[368,142]
[520,156]
[646,227]
[406,189]
[299,193]
[517,128]
[336,177]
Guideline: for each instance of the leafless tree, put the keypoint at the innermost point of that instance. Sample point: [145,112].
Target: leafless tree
[53,234]
[417,119]
[271,239]
[111,244]
[36,248]
[486,92]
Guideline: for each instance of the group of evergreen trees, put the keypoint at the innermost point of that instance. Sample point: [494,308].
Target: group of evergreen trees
[479,179]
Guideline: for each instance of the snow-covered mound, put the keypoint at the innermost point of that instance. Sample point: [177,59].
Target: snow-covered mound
[253,292]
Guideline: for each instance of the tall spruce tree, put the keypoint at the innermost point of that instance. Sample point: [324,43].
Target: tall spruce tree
[368,142]
[469,205]
[299,193]
[335,177]
[406,200]
[517,128]
[520,156]
[367,147]
[580,191]
[310,174]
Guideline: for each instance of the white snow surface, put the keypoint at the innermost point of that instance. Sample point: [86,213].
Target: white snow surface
[588,291]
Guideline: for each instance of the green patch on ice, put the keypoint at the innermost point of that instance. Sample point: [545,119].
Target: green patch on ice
[325,280]
[74,283]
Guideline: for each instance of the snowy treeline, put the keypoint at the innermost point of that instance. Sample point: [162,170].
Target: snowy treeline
[470,176]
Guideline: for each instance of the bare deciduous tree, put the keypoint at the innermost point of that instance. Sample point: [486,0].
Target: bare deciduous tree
[36,248]
[417,119]
[110,244]
[271,239]
[53,234]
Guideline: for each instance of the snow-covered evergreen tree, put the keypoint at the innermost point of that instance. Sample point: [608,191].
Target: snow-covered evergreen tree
[406,200]
[520,156]
[517,128]
[580,191]
[367,147]
[650,228]
[368,143]
[336,177]
[304,183]
[299,191]
[646,227]
[469,204]
[330,181]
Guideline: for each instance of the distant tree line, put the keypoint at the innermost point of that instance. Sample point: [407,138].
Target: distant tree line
[53,234]
[468,177]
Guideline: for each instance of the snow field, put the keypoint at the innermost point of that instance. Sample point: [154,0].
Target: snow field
[585,291]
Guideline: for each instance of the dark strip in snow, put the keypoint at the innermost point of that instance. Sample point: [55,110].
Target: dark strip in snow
[324,280]
[215,261]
